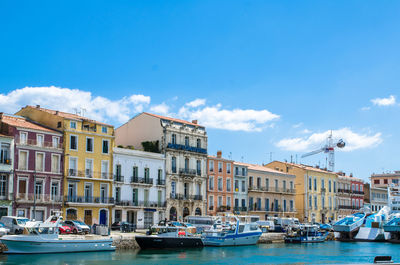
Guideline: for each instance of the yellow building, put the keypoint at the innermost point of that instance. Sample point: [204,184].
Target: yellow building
[88,145]
[315,191]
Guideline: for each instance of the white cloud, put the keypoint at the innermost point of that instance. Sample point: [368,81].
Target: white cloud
[391,100]
[196,103]
[298,125]
[306,131]
[70,100]
[234,120]
[162,109]
[353,140]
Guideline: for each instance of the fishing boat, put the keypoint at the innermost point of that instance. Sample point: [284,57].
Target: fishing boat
[43,237]
[170,236]
[393,225]
[307,234]
[372,229]
[232,234]
[347,227]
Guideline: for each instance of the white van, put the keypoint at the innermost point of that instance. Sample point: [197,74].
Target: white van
[15,224]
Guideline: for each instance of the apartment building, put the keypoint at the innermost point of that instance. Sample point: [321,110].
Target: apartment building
[87,166]
[6,173]
[220,185]
[184,145]
[139,187]
[350,194]
[383,180]
[315,191]
[38,175]
[240,188]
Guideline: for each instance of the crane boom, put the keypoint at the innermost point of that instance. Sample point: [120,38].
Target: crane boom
[313,152]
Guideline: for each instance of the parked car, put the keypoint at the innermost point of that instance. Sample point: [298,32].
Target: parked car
[3,229]
[63,228]
[77,227]
[123,226]
[15,224]
[266,226]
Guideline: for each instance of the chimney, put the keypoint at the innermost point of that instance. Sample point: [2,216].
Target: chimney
[56,112]
[194,121]
[351,175]
[219,154]
[38,106]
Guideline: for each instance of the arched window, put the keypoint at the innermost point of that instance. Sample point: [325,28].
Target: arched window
[198,211]
[186,212]
[172,214]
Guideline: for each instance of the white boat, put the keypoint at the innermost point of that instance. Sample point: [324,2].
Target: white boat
[232,234]
[347,228]
[307,234]
[372,229]
[393,225]
[43,237]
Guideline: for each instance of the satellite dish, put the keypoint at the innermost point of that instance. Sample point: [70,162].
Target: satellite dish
[341,144]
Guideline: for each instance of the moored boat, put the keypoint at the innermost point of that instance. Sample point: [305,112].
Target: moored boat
[43,237]
[348,226]
[372,229]
[233,234]
[307,234]
[393,224]
[169,236]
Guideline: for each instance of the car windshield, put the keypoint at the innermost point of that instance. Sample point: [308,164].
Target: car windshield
[80,223]
[22,221]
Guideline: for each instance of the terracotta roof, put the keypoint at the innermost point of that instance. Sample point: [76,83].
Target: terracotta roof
[350,178]
[172,119]
[219,158]
[262,168]
[22,122]
[68,115]
[307,167]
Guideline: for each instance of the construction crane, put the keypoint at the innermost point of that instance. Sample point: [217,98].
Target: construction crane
[329,149]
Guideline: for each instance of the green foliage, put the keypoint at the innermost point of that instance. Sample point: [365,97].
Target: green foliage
[151,146]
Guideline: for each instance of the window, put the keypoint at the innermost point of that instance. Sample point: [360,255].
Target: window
[323,202]
[55,163]
[228,184]
[284,205]
[146,173]
[173,188]
[73,142]
[219,201]
[219,166]
[186,191]
[135,172]
[309,184]
[334,186]
[266,201]
[88,192]
[330,186]
[243,186]
[159,175]
[117,194]
[376,181]
[23,138]
[39,162]
[89,168]
[198,143]
[105,146]
[291,186]
[236,185]
[173,164]
[228,201]
[89,144]
[315,203]
[330,203]
[59,124]
[103,129]
[228,168]
[315,184]
[276,185]
[186,140]
[284,185]
[198,167]
[104,169]
[220,184]
[352,187]
[385,181]
[258,182]
[23,160]
[211,201]
[210,182]
[211,166]
[40,140]
[54,191]
[3,186]
[56,142]
[73,166]
[72,124]
[267,183]
[291,205]
[322,184]
[243,172]
[361,187]
[250,182]
[173,138]
[38,189]
[186,164]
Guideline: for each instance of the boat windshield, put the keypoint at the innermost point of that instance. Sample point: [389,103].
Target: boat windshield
[22,221]
[40,230]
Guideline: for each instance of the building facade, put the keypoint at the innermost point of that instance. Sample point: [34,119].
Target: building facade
[139,187]
[378,198]
[383,180]
[240,188]
[270,192]
[350,194]
[184,145]
[6,174]
[87,165]
[220,185]
[315,191]
[38,176]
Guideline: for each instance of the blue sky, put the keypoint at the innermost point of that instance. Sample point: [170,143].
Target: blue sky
[264,76]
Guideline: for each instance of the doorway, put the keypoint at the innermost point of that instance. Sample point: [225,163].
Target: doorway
[88,217]
[103,217]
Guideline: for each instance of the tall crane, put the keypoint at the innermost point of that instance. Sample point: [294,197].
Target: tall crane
[328,148]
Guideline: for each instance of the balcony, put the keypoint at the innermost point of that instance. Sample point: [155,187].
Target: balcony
[40,198]
[118,178]
[240,209]
[5,161]
[344,191]
[178,196]
[348,207]
[89,199]
[211,208]
[221,208]
[146,181]
[196,197]
[358,192]
[188,172]
[187,148]
[161,182]
[42,144]
[89,174]
[140,203]
[272,189]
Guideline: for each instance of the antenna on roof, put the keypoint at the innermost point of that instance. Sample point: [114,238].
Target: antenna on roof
[230,155]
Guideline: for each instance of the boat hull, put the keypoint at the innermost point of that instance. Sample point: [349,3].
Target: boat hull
[56,246]
[232,240]
[159,242]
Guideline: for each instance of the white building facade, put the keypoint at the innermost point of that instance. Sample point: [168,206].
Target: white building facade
[139,187]
[185,147]
[6,174]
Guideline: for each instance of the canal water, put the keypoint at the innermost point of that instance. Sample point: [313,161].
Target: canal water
[330,252]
